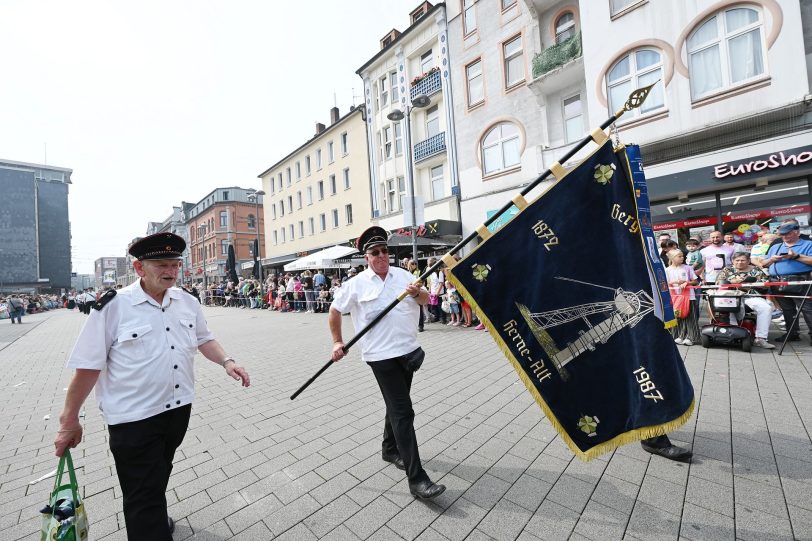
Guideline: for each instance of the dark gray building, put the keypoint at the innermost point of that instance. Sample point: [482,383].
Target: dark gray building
[35,249]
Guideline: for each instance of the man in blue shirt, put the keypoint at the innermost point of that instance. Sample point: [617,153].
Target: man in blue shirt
[791,260]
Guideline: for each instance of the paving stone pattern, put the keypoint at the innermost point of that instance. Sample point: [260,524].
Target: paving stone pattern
[255,465]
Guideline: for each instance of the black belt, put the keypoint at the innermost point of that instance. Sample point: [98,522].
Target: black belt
[791,277]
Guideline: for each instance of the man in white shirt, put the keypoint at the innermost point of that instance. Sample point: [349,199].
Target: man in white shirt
[716,256]
[137,349]
[390,348]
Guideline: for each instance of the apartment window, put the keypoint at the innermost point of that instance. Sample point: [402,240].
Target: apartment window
[333,187]
[301,229]
[312,225]
[383,85]
[469,16]
[318,158]
[393,84]
[307,165]
[223,218]
[320,187]
[225,195]
[347,179]
[322,222]
[290,229]
[344,147]
[426,61]
[500,148]
[387,142]
[639,68]
[620,5]
[281,208]
[223,247]
[726,50]
[282,231]
[273,211]
[507,4]
[437,191]
[273,185]
[391,194]
[310,195]
[432,121]
[564,27]
[348,213]
[401,190]
[298,170]
[290,204]
[398,139]
[514,61]
[275,237]
[476,88]
[280,182]
[299,199]
[573,119]
[252,221]
[335,218]
[330,153]
[288,176]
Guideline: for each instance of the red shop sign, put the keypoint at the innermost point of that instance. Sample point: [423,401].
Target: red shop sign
[739,216]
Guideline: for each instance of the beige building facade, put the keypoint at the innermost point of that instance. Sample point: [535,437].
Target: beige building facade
[318,195]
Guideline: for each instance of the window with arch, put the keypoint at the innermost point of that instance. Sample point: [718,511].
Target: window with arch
[725,50]
[500,148]
[638,68]
[564,27]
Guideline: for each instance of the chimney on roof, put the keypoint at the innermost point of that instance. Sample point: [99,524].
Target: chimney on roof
[333,115]
[319,127]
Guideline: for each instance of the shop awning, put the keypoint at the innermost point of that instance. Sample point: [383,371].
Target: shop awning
[323,259]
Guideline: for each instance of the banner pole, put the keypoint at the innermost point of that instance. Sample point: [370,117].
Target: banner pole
[636,99]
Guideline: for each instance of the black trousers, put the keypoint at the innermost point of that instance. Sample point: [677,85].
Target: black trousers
[789,307]
[399,438]
[143,451]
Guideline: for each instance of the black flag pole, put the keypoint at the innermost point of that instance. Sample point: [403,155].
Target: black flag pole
[636,99]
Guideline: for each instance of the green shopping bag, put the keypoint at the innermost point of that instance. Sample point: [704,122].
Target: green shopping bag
[64,518]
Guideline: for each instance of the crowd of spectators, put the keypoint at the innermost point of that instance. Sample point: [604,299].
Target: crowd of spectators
[15,306]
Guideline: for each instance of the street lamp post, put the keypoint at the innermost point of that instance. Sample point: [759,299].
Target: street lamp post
[419,102]
[255,196]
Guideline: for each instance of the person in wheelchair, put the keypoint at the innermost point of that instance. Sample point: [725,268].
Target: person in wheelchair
[742,272]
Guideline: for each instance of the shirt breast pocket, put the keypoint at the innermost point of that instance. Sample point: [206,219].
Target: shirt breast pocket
[189,327]
[133,340]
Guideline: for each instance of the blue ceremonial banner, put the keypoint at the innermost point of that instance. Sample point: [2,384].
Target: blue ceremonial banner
[572,289]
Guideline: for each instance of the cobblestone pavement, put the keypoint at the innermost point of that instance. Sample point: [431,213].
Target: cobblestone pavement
[255,465]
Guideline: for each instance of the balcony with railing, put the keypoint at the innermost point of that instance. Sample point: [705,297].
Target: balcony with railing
[429,83]
[429,147]
[557,56]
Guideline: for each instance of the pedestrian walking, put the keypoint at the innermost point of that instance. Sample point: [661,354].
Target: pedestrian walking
[137,349]
[389,348]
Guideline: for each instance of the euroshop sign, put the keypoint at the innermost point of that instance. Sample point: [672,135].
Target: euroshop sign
[779,160]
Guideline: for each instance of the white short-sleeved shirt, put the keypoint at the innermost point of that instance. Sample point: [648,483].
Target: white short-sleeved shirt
[364,297]
[144,350]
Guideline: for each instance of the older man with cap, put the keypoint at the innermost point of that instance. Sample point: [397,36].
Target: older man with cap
[389,348]
[790,260]
[137,350]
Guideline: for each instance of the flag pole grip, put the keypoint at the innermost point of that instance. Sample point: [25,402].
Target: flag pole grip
[636,99]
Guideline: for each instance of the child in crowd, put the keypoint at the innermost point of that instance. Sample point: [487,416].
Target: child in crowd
[693,258]
[323,302]
[453,299]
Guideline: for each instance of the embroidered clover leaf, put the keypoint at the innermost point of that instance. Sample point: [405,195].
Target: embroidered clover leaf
[604,173]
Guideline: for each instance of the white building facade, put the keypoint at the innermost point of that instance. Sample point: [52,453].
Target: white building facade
[725,133]
[515,114]
[413,63]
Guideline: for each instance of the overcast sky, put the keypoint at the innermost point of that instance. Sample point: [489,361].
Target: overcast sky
[156,102]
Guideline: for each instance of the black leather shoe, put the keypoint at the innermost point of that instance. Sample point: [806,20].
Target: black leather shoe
[171,525]
[426,490]
[792,338]
[394,459]
[671,452]
[420,329]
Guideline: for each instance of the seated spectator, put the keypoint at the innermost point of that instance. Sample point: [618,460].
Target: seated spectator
[741,271]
